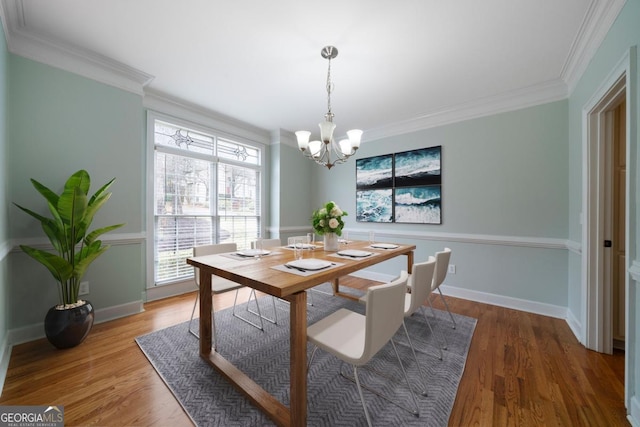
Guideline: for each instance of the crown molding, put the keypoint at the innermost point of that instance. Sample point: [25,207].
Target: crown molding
[542,93]
[597,22]
[47,50]
[166,104]
[599,17]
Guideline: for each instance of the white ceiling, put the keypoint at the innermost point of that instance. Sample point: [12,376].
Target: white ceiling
[400,63]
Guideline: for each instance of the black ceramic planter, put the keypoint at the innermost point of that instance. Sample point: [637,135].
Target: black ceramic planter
[68,328]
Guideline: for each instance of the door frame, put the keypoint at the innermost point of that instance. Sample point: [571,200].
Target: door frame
[596,125]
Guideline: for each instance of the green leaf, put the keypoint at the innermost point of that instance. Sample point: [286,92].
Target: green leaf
[100,191]
[85,257]
[72,206]
[46,192]
[79,179]
[60,268]
[92,208]
[91,237]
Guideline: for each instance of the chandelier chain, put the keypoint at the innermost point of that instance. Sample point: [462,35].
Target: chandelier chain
[329,88]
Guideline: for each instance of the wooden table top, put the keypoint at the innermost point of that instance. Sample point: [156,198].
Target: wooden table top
[260,274]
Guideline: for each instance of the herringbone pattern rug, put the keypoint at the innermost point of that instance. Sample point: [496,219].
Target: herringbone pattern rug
[332,400]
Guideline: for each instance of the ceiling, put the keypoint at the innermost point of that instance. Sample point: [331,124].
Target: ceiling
[402,65]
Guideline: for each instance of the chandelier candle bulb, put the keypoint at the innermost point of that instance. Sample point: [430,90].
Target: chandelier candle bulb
[303,139]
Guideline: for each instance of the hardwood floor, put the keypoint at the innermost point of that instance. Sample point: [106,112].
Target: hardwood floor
[522,370]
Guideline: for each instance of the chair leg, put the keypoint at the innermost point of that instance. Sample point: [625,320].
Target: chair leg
[444,336]
[213,324]
[193,312]
[255,298]
[415,358]
[416,412]
[310,295]
[364,406]
[261,326]
[447,307]
[433,334]
[313,354]
[400,405]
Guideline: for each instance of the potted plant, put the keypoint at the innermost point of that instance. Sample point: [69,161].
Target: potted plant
[75,248]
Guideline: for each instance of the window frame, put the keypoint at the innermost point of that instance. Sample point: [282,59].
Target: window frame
[152,117]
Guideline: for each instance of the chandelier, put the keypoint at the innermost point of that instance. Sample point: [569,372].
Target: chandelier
[327,151]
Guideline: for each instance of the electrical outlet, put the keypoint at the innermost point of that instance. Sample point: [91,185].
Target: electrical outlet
[84,288]
[452,269]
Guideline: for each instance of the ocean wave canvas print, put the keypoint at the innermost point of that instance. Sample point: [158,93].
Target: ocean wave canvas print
[374,172]
[418,205]
[418,167]
[374,205]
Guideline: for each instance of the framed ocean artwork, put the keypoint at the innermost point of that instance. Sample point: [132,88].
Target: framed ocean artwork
[374,172]
[418,205]
[374,205]
[404,187]
[417,167]
[374,189]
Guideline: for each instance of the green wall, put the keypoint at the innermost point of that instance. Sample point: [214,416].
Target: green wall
[294,189]
[503,175]
[4,199]
[623,35]
[60,122]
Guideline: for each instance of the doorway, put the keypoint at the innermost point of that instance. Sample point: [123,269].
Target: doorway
[615,219]
[605,222]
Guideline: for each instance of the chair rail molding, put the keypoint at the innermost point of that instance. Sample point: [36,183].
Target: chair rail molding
[485,239]
[113,239]
[5,248]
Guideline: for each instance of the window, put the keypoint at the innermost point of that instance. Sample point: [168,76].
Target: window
[207,189]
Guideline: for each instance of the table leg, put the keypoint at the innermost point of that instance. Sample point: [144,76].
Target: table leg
[410,262]
[298,363]
[205,312]
[335,284]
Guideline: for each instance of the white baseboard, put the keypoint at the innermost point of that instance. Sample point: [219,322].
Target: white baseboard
[507,302]
[575,325]
[634,412]
[36,331]
[484,297]
[5,356]
[166,291]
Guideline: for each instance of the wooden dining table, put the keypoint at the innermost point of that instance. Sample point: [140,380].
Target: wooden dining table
[266,274]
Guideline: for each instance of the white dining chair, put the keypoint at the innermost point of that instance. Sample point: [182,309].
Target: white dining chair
[355,338]
[440,273]
[419,286]
[220,285]
[266,243]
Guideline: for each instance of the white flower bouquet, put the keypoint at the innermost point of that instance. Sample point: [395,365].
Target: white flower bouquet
[328,219]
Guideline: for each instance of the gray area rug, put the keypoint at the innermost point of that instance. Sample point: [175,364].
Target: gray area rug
[332,399]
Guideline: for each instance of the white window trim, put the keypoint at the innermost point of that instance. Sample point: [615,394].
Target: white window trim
[152,116]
